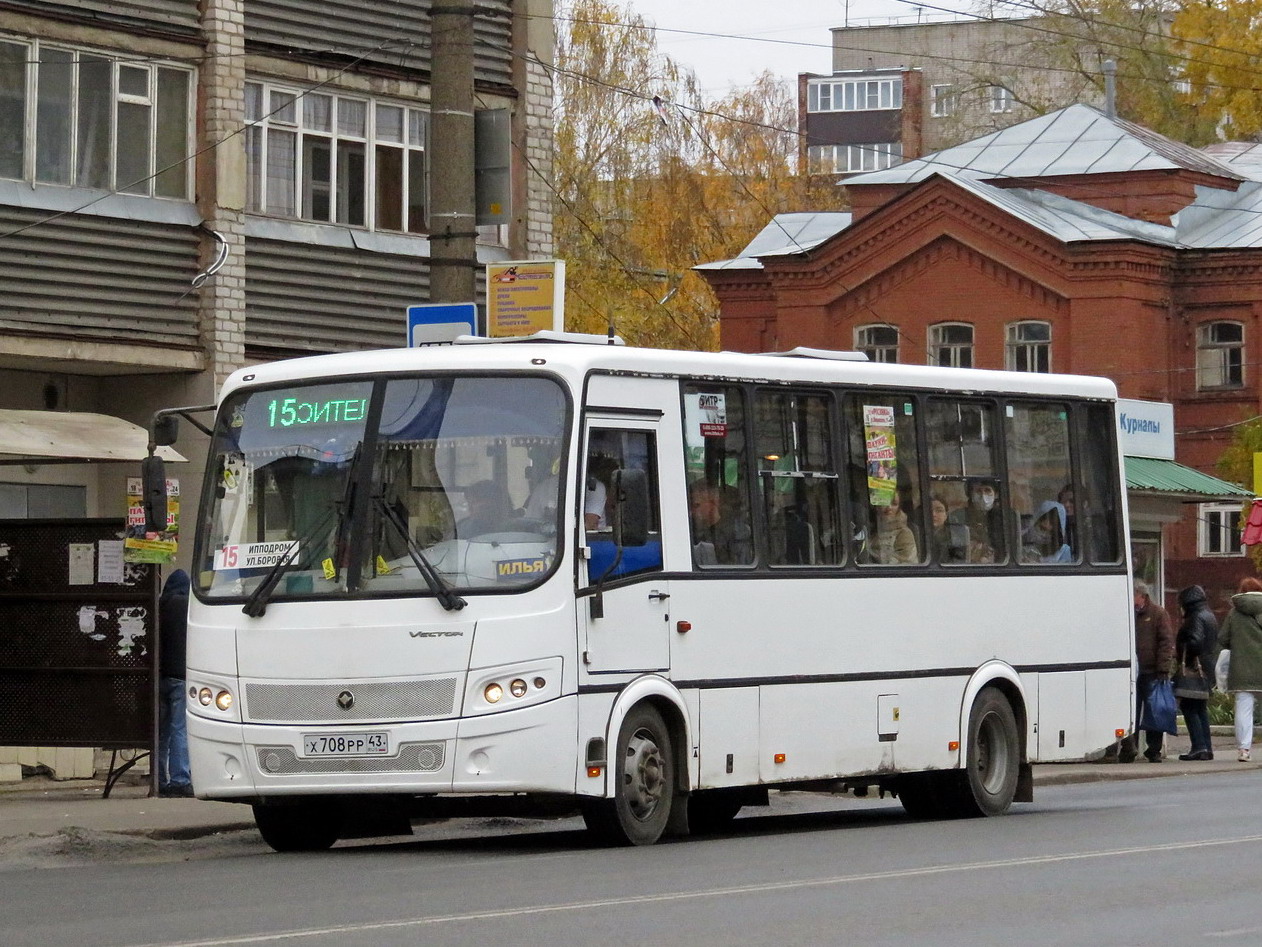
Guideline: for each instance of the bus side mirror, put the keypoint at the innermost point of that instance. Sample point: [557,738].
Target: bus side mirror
[631,507]
[153,479]
[166,430]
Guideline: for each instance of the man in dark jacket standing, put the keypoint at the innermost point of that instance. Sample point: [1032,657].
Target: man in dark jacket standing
[1154,649]
[173,772]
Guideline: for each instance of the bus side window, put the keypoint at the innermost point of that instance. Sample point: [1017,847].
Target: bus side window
[963,474]
[797,470]
[610,449]
[1038,471]
[886,509]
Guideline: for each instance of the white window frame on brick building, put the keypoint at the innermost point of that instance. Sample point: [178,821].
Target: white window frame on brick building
[943,100]
[848,159]
[1029,346]
[336,158]
[1218,530]
[1001,99]
[951,344]
[854,95]
[879,342]
[1219,355]
[80,117]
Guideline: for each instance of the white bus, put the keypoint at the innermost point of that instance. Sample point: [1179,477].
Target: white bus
[649,585]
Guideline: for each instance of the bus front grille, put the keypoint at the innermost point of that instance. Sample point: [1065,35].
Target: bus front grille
[368,700]
[411,758]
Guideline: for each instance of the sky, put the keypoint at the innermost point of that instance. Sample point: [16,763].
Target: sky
[783,36]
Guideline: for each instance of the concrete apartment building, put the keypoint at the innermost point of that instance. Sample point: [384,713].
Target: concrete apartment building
[1073,242]
[900,90]
[190,186]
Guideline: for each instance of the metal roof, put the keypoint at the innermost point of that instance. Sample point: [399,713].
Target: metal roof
[1243,157]
[785,233]
[1078,139]
[1150,475]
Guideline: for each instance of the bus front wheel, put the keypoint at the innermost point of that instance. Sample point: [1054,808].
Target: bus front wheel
[643,783]
[308,826]
[994,756]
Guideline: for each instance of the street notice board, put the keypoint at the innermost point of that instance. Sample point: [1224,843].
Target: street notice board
[524,297]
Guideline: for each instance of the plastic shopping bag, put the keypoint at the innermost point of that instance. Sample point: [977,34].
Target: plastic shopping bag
[1158,711]
[1221,668]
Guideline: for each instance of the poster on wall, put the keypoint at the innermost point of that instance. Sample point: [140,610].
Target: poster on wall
[139,546]
[882,453]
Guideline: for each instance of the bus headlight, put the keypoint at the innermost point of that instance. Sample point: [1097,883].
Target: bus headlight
[205,696]
[223,700]
[504,688]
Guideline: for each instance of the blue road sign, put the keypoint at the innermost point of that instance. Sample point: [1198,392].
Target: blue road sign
[439,323]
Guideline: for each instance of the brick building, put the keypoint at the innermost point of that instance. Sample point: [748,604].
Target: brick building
[1073,242]
[191,186]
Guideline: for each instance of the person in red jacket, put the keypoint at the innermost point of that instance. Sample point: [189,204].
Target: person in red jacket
[1154,649]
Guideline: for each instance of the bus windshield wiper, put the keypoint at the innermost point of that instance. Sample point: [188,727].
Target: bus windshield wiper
[447,598]
[256,604]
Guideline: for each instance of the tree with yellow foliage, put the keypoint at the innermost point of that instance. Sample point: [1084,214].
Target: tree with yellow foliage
[1221,41]
[651,180]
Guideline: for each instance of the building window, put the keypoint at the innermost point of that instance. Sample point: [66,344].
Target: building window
[1219,532]
[951,344]
[1029,347]
[854,95]
[943,100]
[1220,355]
[1000,99]
[336,159]
[878,343]
[73,117]
[848,159]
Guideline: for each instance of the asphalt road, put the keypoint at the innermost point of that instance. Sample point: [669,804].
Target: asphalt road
[1146,862]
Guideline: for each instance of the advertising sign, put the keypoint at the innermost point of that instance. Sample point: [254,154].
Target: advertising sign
[524,297]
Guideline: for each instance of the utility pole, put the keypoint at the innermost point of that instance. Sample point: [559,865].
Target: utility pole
[453,233]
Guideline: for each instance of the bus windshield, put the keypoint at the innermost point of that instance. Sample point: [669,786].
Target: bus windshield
[366,485]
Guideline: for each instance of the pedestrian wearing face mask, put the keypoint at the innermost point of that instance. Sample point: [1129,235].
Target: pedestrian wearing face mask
[984,518]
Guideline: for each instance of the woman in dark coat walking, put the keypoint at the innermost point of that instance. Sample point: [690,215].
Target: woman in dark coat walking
[1194,645]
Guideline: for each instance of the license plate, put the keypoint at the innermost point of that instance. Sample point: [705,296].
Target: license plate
[376,743]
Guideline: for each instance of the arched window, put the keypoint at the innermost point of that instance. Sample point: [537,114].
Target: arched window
[1029,347]
[951,344]
[1220,355]
[879,343]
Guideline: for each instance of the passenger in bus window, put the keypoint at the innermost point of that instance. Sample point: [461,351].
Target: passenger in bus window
[720,531]
[948,542]
[1066,499]
[984,519]
[1044,540]
[895,542]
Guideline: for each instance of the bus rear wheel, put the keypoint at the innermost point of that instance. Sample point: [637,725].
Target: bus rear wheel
[307,826]
[643,783]
[993,760]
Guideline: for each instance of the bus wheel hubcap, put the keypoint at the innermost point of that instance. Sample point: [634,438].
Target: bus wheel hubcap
[644,775]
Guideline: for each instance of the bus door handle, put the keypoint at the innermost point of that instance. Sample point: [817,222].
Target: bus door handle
[656,596]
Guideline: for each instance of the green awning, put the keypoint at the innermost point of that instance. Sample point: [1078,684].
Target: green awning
[1167,478]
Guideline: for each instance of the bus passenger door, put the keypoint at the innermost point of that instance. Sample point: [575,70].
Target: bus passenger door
[627,604]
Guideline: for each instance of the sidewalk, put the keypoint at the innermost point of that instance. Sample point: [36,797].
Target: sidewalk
[41,806]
